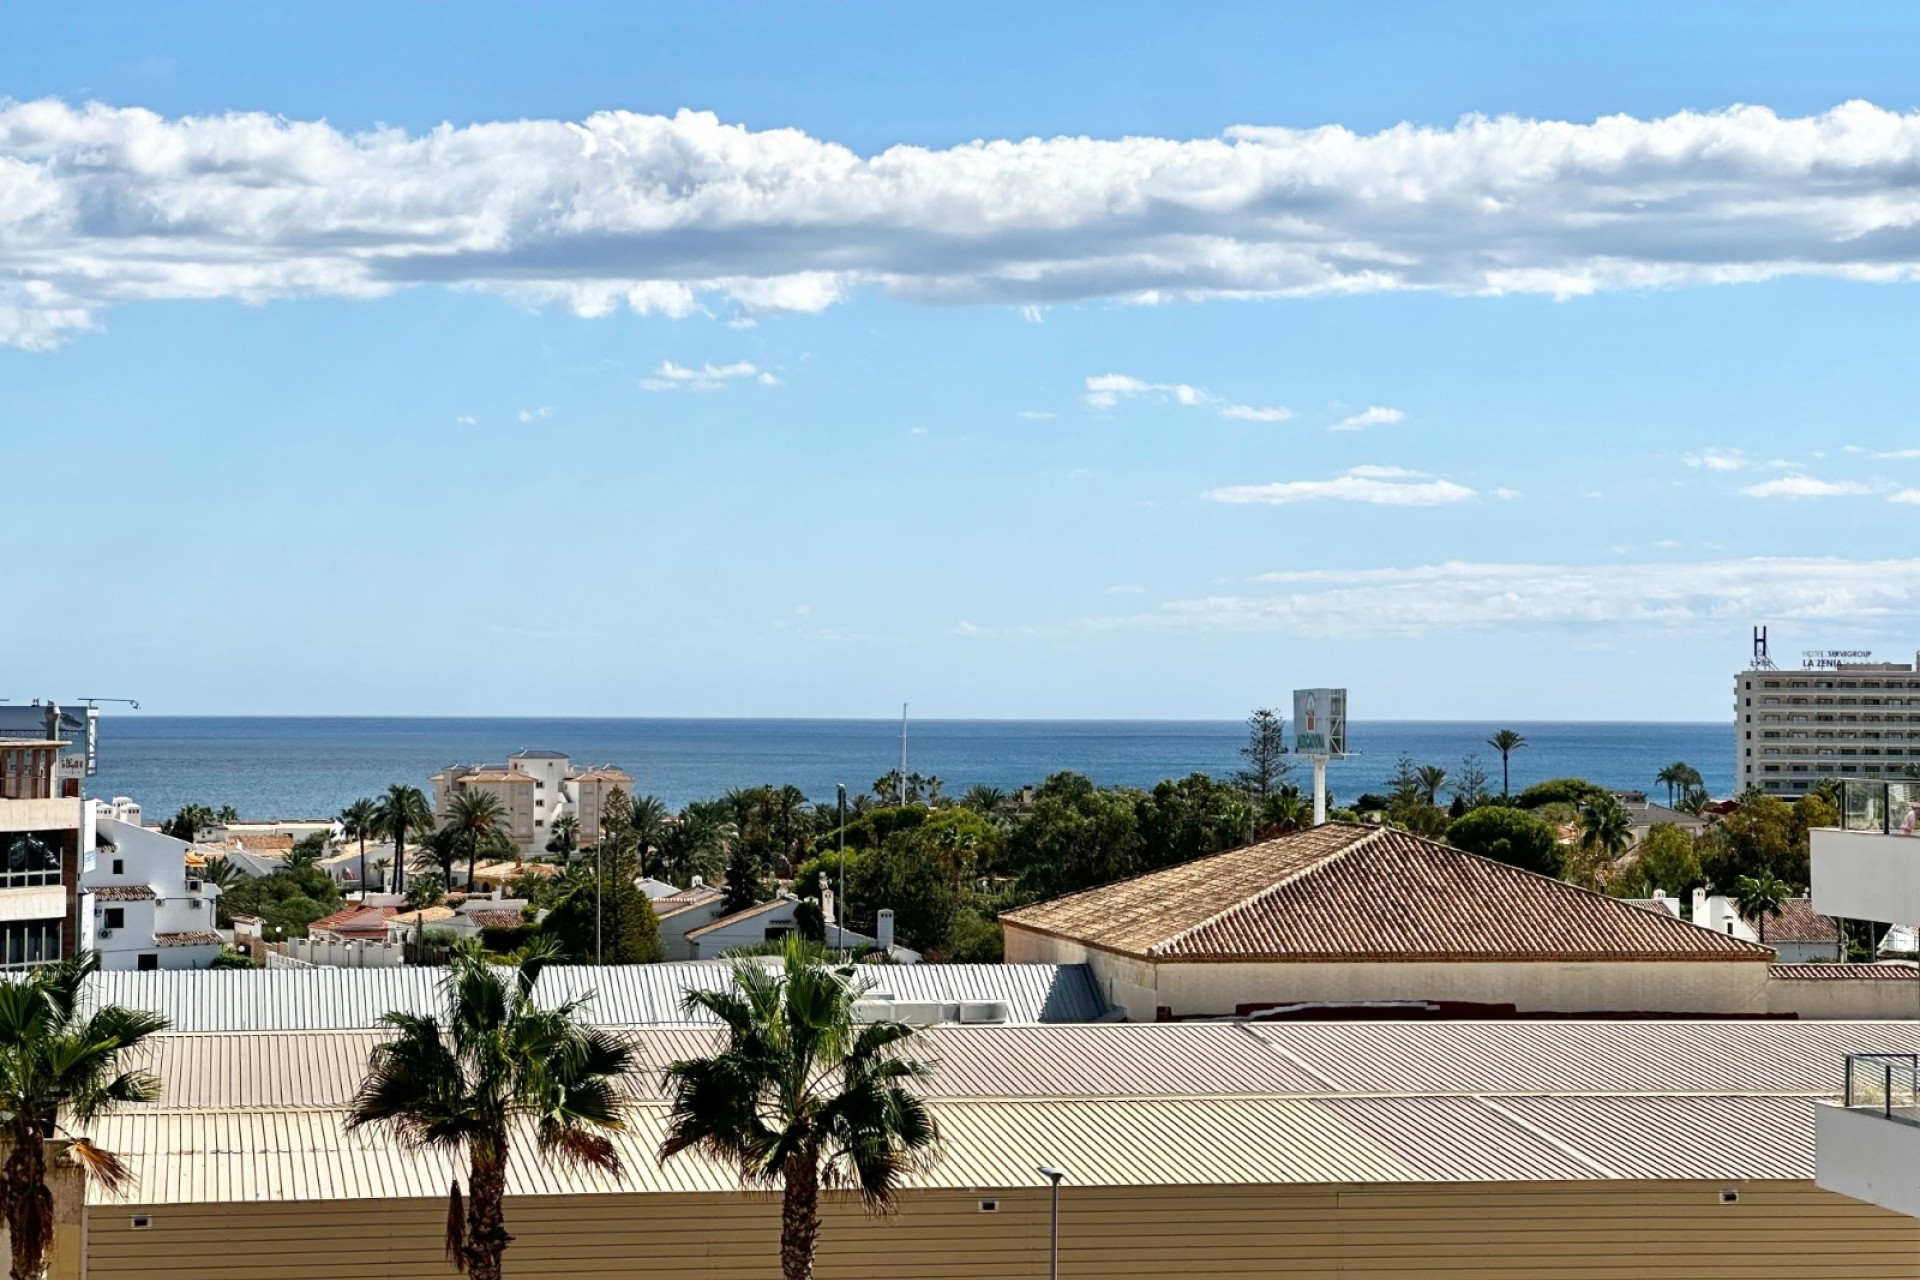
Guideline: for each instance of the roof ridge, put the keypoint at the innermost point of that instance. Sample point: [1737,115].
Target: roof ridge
[1286,881]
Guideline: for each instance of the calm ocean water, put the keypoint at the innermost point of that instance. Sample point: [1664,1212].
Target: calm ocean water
[288,767]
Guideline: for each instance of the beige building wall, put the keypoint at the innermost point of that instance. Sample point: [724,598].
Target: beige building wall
[1202,989]
[1525,1231]
[1842,998]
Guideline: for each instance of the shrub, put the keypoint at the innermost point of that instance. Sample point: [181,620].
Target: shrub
[1512,836]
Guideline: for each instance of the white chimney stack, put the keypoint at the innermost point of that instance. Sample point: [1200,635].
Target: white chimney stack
[883,927]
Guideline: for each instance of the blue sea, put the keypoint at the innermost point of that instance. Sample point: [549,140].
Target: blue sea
[295,767]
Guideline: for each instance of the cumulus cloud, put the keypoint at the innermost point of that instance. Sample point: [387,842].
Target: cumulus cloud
[1804,486]
[1372,416]
[103,205]
[1382,486]
[708,377]
[1903,455]
[1908,496]
[1718,459]
[536,414]
[1106,390]
[1458,594]
[467,420]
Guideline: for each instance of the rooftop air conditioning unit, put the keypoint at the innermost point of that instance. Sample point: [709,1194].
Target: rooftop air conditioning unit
[193,886]
[983,1011]
[106,933]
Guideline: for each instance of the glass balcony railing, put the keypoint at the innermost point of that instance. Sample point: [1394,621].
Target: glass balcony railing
[1886,1084]
[1889,808]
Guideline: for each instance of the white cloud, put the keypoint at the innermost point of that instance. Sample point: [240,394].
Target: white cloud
[1455,594]
[535,415]
[1718,459]
[1381,486]
[1910,496]
[708,377]
[105,205]
[1371,416]
[466,420]
[1803,486]
[1889,454]
[1033,314]
[1106,390]
[1506,495]
[1038,415]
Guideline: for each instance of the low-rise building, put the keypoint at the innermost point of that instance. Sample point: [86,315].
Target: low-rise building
[535,789]
[148,909]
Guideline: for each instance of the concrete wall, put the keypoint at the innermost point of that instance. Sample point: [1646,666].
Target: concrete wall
[1841,998]
[1862,875]
[1194,990]
[1868,1157]
[1493,1231]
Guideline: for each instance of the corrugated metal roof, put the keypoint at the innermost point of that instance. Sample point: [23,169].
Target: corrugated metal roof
[316,999]
[1346,893]
[260,1115]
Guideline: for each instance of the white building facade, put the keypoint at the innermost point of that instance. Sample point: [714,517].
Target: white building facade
[1842,720]
[44,828]
[535,789]
[144,907]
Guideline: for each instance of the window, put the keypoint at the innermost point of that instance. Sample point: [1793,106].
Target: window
[116,917]
[31,858]
[149,960]
[119,866]
[29,942]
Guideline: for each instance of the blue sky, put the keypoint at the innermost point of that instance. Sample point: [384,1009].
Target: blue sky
[656,415]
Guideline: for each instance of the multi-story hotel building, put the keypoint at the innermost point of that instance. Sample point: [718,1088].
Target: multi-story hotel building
[45,827]
[1838,719]
[535,788]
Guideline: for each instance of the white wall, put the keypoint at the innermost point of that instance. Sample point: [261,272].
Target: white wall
[1843,998]
[1862,875]
[1867,1156]
[150,860]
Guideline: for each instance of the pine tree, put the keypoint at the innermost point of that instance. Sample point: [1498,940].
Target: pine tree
[1265,754]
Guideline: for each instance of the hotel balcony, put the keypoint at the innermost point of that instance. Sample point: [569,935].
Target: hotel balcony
[1868,1145]
[1868,868]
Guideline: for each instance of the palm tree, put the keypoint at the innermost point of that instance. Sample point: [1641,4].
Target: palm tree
[984,800]
[1605,826]
[802,1097]
[472,816]
[226,815]
[222,874]
[381,865]
[650,820]
[1285,809]
[358,821]
[1762,897]
[401,810]
[60,1069]
[1506,742]
[500,1062]
[302,855]
[1432,777]
[566,835]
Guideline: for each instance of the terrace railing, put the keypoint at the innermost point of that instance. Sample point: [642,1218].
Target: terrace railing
[1889,808]
[1886,1084]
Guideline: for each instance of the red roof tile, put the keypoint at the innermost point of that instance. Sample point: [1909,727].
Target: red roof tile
[124,893]
[1799,922]
[1851,972]
[1344,892]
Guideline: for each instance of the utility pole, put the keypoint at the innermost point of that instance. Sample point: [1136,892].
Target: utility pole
[840,903]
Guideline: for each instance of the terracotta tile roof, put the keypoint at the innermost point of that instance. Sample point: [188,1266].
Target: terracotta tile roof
[192,938]
[370,921]
[1850,972]
[758,909]
[1799,922]
[495,919]
[425,915]
[125,893]
[1343,892]
[497,775]
[601,774]
[265,842]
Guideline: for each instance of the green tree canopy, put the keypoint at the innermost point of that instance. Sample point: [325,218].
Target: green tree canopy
[1512,836]
[1667,859]
[1573,791]
[1077,836]
[603,912]
[1191,817]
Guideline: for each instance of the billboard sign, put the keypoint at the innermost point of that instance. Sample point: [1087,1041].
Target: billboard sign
[1832,659]
[1320,722]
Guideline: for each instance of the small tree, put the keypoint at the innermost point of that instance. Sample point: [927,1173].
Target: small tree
[1513,836]
[500,1060]
[1265,754]
[1470,782]
[60,1068]
[1762,897]
[802,1097]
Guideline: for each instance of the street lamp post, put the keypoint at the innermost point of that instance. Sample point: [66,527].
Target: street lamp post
[840,902]
[1055,1176]
[599,893]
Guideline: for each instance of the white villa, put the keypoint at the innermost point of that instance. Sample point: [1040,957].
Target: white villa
[144,907]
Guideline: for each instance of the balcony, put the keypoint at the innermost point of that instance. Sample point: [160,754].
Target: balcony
[1867,1145]
[1868,868]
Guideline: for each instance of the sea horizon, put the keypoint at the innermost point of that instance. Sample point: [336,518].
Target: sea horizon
[284,767]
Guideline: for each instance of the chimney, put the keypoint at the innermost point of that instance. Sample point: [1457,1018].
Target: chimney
[698,882]
[1700,909]
[883,926]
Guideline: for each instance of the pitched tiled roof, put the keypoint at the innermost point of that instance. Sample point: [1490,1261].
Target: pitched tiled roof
[758,909]
[1799,922]
[124,893]
[266,842]
[355,919]
[1344,892]
[495,919]
[424,916]
[192,938]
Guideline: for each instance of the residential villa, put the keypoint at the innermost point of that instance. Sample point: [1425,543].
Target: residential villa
[535,789]
[147,907]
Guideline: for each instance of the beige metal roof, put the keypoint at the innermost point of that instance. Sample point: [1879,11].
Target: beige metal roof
[1342,893]
[260,1115]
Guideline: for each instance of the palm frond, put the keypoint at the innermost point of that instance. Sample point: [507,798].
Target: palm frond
[101,1165]
[456,1228]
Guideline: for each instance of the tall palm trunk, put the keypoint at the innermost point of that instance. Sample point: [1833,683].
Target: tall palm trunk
[473,855]
[1506,779]
[363,864]
[29,1206]
[799,1217]
[487,1237]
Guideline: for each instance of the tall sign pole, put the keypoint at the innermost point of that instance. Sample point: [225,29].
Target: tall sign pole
[1320,734]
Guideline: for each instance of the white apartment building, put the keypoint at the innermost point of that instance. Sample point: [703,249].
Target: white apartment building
[535,788]
[44,826]
[145,908]
[1868,1145]
[1795,726]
